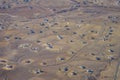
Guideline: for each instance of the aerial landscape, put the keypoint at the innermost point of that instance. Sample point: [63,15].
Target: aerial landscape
[59,39]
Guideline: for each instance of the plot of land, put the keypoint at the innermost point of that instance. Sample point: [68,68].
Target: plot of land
[59,39]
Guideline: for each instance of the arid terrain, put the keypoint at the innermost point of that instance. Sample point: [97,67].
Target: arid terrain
[59,39]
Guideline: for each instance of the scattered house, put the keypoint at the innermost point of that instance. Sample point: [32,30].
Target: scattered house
[32,31]
[110,50]
[41,31]
[5,6]
[97,58]
[105,38]
[38,41]
[114,19]
[71,41]
[65,69]
[74,32]
[17,38]
[82,36]
[54,31]
[38,71]
[47,27]
[49,45]
[42,24]
[26,0]
[93,31]
[34,49]
[43,63]
[118,2]
[73,73]
[110,45]
[7,38]
[82,67]
[46,20]
[71,52]
[28,61]
[25,45]
[111,58]
[59,37]
[3,61]
[2,27]
[67,28]
[109,33]
[60,58]
[111,30]
[8,67]
[30,7]
[62,11]
[85,2]
[90,71]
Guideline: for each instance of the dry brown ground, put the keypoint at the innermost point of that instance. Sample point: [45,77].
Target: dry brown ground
[59,40]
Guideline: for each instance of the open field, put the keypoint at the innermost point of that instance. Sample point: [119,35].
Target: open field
[59,40]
